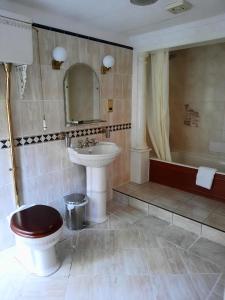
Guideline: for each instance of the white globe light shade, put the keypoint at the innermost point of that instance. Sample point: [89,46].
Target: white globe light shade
[59,54]
[108,61]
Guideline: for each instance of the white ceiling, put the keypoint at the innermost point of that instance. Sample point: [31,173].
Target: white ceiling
[121,17]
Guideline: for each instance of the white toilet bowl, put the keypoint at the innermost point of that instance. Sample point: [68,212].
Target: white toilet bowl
[37,229]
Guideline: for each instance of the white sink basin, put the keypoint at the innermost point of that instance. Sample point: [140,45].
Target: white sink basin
[96,156]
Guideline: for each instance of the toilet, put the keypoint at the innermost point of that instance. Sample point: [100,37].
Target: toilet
[37,229]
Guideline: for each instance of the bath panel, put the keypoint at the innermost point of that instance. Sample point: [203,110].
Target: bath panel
[183,177]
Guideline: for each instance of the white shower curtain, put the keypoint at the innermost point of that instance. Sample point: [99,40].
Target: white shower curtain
[158,104]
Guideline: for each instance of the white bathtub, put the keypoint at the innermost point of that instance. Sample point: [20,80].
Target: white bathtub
[198,159]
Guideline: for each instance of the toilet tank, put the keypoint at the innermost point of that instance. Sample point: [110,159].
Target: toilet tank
[15,39]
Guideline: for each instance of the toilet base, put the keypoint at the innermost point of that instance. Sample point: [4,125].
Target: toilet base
[41,263]
[38,256]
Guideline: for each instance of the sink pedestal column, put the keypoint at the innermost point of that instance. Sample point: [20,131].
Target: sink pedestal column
[97,194]
[139,148]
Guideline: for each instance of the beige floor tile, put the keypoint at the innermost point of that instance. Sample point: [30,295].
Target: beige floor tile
[213,235]
[192,210]
[152,224]
[92,261]
[197,264]
[115,206]
[135,288]
[218,291]
[166,202]
[179,236]
[10,285]
[104,262]
[46,288]
[174,287]
[92,225]
[176,194]
[127,239]
[115,222]
[205,202]
[65,250]
[220,209]
[209,250]
[129,214]
[92,238]
[149,240]
[165,261]
[135,262]
[216,220]
[115,288]
[204,284]
[133,257]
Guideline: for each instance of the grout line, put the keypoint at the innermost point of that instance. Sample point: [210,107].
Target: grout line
[213,288]
[193,243]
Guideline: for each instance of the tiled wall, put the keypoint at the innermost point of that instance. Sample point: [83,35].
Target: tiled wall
[197,80]
[45,172]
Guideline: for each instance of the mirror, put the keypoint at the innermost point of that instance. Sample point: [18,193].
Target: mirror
[81,95]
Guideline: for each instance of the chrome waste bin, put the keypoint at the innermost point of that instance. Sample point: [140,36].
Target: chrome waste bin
[75,211]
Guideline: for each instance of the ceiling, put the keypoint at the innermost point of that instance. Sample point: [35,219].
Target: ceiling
[119,16]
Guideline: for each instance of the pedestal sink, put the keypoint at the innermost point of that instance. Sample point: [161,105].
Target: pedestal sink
[95,159]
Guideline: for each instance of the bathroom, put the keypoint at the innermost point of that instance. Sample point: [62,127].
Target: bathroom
[159,240]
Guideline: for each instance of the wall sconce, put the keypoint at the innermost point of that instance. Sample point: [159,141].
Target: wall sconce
[107,63]
[59,56]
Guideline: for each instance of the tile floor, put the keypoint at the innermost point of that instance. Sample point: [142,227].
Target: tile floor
[207,211]
[130,256]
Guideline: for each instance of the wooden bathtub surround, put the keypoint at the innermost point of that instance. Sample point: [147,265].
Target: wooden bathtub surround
[184,178]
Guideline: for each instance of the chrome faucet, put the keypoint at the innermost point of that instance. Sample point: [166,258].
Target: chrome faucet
[86,143]
[68,140]
[93,142]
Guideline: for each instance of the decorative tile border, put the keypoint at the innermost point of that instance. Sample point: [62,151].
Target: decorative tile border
[50,137]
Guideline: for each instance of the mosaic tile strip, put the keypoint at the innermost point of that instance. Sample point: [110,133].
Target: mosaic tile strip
[50,137]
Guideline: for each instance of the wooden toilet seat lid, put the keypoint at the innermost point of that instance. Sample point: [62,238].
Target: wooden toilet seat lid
[36,221]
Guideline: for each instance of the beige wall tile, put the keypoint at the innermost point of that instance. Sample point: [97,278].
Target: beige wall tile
[45,172]
[196,78]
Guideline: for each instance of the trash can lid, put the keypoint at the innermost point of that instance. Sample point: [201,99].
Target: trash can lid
[75,199]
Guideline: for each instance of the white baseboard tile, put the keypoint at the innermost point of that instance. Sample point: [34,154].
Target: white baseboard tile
[121,198]
[187,224]
[214,235]
[160,213]
[138,204]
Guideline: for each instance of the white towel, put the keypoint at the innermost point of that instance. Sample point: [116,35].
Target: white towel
[205,177]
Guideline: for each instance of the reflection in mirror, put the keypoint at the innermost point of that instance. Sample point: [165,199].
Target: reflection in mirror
[81,95]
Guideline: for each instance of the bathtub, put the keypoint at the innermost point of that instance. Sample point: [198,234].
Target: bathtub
[197,160]
[181,173]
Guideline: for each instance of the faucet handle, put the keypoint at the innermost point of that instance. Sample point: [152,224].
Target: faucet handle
[93,142]
[80,144]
